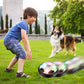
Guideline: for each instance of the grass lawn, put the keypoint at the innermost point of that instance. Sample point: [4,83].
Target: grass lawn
[40,53]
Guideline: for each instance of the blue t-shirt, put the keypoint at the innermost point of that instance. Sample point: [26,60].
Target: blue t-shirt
[15,31]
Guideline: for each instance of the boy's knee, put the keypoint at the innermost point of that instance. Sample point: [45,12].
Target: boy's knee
[22,55]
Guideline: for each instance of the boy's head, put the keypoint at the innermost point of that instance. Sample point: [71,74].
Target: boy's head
[30,12]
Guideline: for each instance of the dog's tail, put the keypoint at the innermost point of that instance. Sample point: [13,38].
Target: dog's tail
[78,40]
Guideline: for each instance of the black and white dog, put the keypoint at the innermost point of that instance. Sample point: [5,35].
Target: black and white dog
[59,41]
[56,35]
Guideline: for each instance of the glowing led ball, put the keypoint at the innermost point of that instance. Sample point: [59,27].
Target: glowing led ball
[75,64]
[48,69]
[62,68]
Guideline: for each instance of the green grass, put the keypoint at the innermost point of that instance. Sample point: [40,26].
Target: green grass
[40,53]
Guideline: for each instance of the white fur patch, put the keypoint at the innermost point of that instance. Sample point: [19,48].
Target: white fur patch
[55,42]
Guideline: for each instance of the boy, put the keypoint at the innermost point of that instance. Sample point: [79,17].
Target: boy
[17,33]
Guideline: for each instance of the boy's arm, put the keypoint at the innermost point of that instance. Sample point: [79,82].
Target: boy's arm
[26,43]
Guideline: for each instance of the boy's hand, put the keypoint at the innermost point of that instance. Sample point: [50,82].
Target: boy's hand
[29,54]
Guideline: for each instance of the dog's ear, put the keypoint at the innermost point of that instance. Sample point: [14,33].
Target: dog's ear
[53,29]
[53,26]
[60,27]
[51,33]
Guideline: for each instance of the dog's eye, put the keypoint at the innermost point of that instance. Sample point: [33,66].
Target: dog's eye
[54,31]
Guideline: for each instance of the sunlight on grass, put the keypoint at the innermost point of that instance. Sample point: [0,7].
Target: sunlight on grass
[40,53]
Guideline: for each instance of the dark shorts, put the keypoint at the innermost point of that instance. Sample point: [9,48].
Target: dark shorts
[15,47]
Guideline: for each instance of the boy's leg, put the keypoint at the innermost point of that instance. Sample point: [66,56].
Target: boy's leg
[20,69]
[20,65]
[17,49]
[13,62]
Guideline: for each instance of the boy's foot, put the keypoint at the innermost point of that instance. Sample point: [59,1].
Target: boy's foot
[8,70]
[21,74]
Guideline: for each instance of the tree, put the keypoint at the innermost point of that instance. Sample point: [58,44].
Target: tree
[6,21]
[58,11]
[2,23]
[30,30]
[10,23]
[45,24]
[73,18]
[70,15]
[36,26]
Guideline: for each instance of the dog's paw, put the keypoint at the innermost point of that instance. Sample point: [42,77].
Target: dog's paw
[57,52]
[50,56]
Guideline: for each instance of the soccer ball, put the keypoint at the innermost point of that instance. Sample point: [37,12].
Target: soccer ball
[48,69]
[62,68]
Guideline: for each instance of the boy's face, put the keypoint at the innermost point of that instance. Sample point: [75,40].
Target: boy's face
[31,20]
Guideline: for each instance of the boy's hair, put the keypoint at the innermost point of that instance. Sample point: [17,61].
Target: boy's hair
[29,11]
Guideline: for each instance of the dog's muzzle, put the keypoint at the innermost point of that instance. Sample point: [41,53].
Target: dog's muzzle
[55,33]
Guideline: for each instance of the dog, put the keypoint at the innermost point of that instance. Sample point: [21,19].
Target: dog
[59,41]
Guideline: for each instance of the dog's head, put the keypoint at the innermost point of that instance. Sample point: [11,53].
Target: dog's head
[57,31]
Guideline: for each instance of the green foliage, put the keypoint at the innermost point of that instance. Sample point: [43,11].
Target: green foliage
[40,54]
[6,21]
[45,24]
[37,27]
[10,23]
[2,23]
[36,31]
[30,29]
[70,15]
[73,18]
[58,11]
